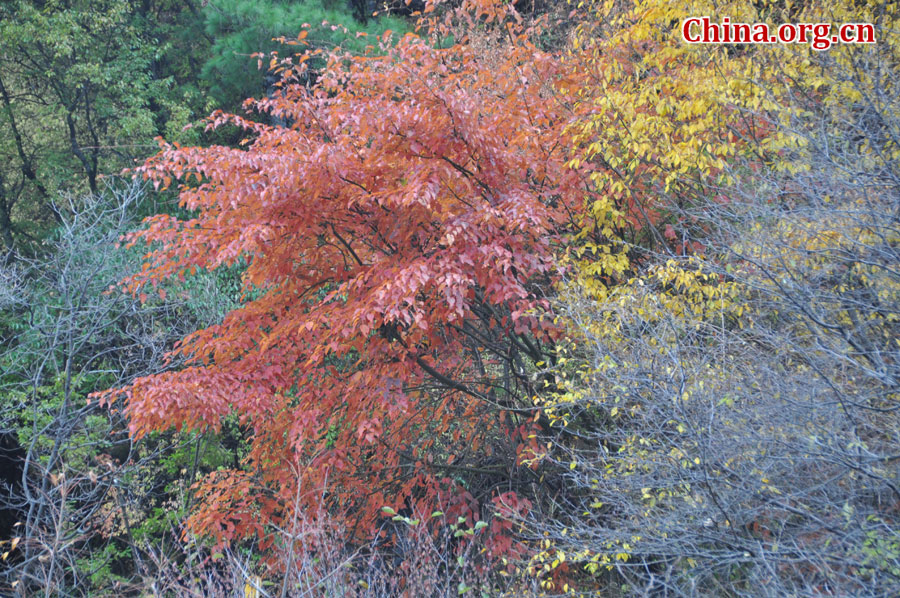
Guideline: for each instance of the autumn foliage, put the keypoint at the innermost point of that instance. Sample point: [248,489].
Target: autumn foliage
[394,233]
[523,304]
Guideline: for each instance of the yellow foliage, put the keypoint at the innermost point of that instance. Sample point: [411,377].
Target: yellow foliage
[659,119]
[661,124]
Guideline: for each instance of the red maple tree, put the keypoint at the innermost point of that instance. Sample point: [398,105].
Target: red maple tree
[398,230]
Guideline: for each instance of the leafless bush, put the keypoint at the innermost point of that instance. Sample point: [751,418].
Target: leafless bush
[416,556]
[65,330]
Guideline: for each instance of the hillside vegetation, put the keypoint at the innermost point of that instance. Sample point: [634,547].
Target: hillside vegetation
[448,299]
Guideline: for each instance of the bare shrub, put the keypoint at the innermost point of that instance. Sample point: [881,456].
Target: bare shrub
[65,332]
[415,556]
